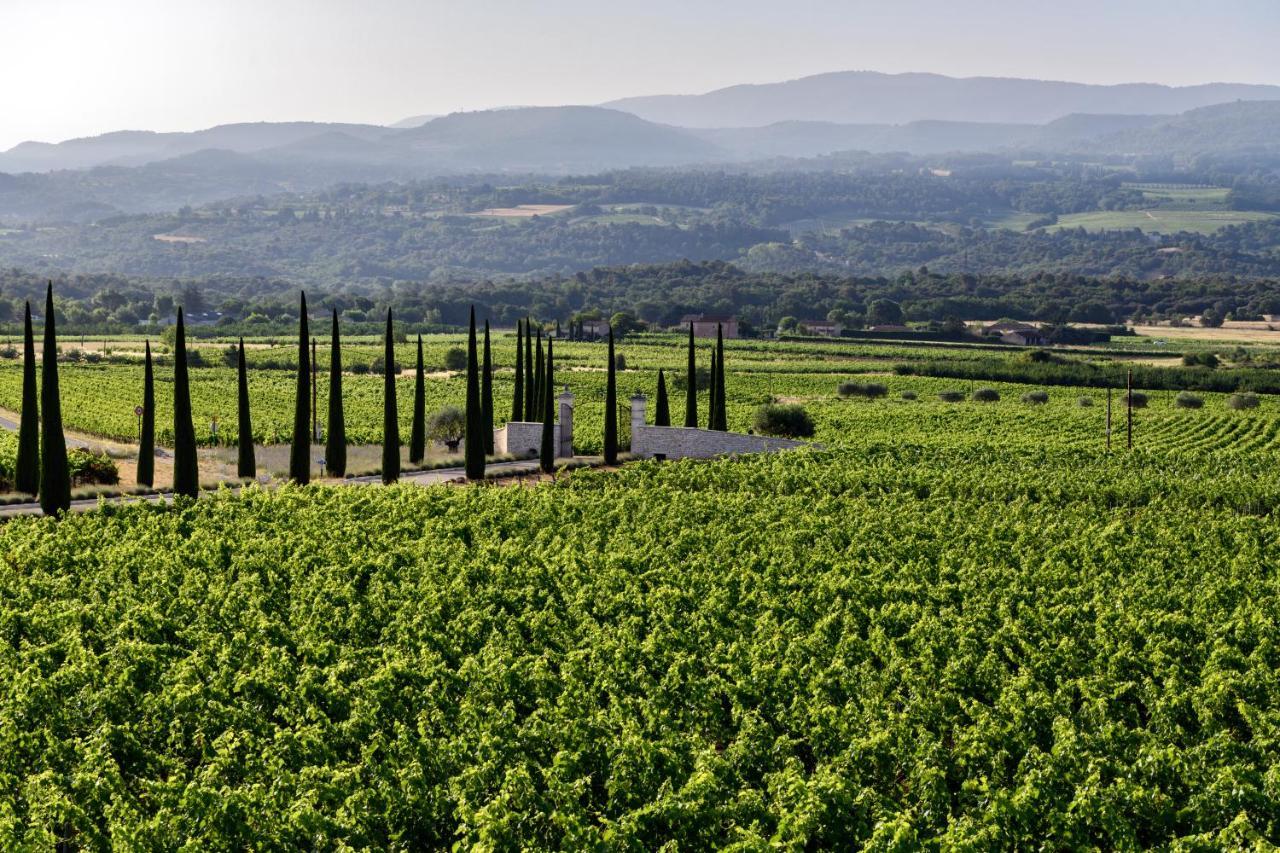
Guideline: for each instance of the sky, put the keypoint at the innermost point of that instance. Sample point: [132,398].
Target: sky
[73,68]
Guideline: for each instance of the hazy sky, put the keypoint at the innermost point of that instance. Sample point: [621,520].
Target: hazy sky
[79,67]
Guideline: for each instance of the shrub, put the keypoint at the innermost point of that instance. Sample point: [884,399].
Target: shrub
[870,390]
[1243,401]
[9,351]
[951,396]
[396,369]
[454,359]
[1187,400]
[89,468]
[619,362]
[1200,359]
[1036,397]
[1139,400]
[360,368]
[986,395]
[1084,402]
[909,395]
[448,426]
[790,421]
[680,381]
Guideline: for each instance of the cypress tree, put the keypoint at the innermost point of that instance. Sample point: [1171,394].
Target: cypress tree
[55,474]
[711,395]
[538,370]
[246,459]
[474,459]
[517,396]
[27,470]
[611,410]
[390,415]
[147,434]
[547,457]
[722,417]
[335,448]
[186,472]
[530,412]
[661,411]
[557,329]
[691,386]
[418,431]
[300,451]
[486,395]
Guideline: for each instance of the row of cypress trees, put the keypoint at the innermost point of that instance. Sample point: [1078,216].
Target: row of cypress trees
[41,467]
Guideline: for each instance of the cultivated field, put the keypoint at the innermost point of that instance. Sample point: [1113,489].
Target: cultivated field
[956,625]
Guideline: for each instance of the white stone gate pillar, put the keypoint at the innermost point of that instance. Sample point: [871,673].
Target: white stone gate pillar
[638,424]
[565,400]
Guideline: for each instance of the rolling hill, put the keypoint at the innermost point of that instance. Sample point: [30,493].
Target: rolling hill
[869,97]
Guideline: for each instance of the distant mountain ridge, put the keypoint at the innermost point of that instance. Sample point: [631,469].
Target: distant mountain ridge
[870,97]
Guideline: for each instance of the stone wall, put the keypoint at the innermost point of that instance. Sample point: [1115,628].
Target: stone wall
[521,438]
[694,443]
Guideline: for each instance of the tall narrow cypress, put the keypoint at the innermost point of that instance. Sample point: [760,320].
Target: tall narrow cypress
[722,416]
[246,458]
[27,470]
[474,453]
[147,433]
[661,411]
[418,431]
[691,386]
[517,396]
[611,410]
[538,370]
[486,395]
[390,415]
[300,450]
[335,448]
[547,456]
[55,474]
[711,395]
[530,412]
[186,472]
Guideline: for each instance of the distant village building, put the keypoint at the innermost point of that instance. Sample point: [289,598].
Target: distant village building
[704,325]
[823,328]
[1024,338]
[1016,333]
[595,328]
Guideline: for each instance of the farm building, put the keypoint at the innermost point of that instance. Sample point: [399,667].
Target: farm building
[704,325]
[822,328]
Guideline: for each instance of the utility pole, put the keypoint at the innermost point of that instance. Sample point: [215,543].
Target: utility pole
[1108,418]
[1129,405]
[315,419]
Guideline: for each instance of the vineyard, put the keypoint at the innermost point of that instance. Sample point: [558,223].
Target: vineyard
[957,625]
[100,398]
[898,646]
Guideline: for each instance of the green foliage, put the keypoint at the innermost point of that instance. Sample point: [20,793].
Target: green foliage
[300,444]
[1137,400]
[951,396]
[1187,400]
[1039,398]
[474,446]
[418,427]
[335,449]
[1240,402]
[867,390]
[146,469]
[675,667]
[448,426]
[88,468]
[25,475]
[186,473]
[788,420]
[55,479]
[455,359]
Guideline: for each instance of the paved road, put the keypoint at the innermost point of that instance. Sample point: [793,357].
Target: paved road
[421,478]
[5,423]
